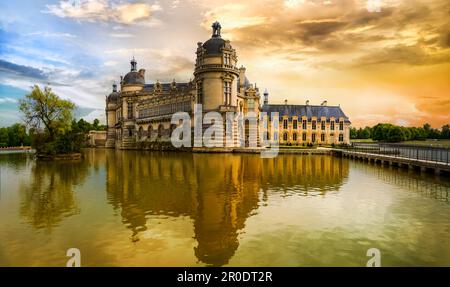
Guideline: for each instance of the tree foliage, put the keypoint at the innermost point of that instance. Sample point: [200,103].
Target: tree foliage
[44,109]
[52,128]
[393,133]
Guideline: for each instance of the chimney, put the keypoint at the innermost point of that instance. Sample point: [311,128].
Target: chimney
[307,102]
[142,73]
[266,97]
[114,87]
[285,102]
[324,103]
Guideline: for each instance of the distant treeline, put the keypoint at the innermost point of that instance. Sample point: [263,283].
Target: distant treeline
[17,134]
[393,133]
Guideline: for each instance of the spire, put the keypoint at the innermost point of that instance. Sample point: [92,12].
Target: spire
[216,29]
[114,87]
[133,65]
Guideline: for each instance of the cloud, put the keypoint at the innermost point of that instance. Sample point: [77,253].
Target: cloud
[20,70]
[52,35]
[104,11]
[7,100]
[121,35]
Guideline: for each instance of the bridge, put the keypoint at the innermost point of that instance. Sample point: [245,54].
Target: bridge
[425,158]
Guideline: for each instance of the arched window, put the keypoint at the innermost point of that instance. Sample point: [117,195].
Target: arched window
[285,136]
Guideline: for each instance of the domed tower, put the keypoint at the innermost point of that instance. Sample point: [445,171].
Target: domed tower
[134,80]
[132,83]
[216,73]
[111,106]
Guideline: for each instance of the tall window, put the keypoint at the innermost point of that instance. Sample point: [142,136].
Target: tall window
[227,93]
[294,137]
[313,124]
[332,125]
[199,92]
[294,124]
[304,124]
[341,137]
[285,124]
[285,137]
[323,125]
[341,126]
[227,59]
[313,138]
[322,137]
[304,137]
[130,110]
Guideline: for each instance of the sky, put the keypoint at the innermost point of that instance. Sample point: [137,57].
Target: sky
[380,60]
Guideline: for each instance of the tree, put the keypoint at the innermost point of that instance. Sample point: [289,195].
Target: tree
[396,134]
[50,120]
[46,109]
[353,133]
[445,131]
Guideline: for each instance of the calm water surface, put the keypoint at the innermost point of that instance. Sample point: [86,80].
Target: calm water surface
[127,208]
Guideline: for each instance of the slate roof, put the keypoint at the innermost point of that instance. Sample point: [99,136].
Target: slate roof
[307,110]
[166,87]
[133,78]
[214,45]
[113,97]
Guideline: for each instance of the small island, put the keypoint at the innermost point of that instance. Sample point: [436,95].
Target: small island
[54,133]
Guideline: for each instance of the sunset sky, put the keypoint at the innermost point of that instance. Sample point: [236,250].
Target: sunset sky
[382,63]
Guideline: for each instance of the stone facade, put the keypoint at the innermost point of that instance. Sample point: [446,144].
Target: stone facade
[139,115]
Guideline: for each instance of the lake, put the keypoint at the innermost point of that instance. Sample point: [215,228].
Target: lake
[136,208]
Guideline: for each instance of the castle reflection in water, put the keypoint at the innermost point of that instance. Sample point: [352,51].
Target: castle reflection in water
[218,192]
[213,194]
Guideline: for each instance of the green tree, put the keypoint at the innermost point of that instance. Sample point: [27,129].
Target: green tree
[353,133]
[395,134]
[43,108]
[445,131]
[50,120]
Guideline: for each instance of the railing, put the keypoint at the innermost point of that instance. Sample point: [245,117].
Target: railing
[413,152]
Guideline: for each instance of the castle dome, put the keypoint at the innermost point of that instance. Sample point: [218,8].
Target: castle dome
[114,96]
[134,77]
[214,45]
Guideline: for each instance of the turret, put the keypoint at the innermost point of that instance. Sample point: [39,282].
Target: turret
[216,73]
